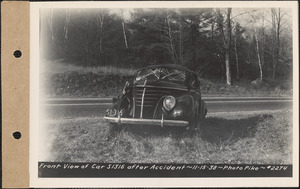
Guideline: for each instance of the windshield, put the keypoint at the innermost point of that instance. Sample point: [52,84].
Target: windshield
[161,74]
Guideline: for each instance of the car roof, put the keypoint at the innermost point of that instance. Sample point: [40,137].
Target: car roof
[176,66]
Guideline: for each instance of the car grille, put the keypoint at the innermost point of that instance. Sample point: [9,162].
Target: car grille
[151,98]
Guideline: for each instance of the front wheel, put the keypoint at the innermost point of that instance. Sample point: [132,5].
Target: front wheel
[198,120]
[194,125]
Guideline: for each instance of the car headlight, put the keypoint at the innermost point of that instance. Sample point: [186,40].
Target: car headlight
[169,102]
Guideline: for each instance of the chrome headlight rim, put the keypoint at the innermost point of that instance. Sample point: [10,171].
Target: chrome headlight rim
[169,102]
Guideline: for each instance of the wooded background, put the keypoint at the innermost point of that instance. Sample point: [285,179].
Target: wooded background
[223,44]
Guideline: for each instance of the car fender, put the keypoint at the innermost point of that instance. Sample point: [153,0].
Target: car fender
[123,103]
[185,108]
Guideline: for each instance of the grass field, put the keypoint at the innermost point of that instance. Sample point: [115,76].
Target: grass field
[56,67]
[235,139]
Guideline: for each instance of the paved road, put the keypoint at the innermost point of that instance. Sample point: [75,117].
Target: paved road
[78,101]
[92,107]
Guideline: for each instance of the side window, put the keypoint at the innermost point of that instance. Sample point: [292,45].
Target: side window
[193,81]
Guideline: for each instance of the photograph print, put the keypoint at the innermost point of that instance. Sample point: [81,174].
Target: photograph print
[153,92]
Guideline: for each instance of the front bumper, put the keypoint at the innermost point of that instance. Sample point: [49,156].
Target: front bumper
[135,121]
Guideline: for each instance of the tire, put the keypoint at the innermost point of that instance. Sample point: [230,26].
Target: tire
[201,116]
[203,110]
[194,125]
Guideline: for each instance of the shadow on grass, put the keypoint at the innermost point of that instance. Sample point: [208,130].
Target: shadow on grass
[213,129]
[216,130]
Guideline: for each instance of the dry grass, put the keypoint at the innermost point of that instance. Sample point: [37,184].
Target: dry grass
[58,66]
[245,88]
[259,139]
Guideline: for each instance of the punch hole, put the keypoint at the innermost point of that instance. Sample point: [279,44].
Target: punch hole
[17,53]
[17,135]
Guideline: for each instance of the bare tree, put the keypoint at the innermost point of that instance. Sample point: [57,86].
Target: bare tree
[124,34]
[66,26]
[50,23]
[100,21]
[254,20]
[276,30]
[263,38]
[66,31]
[258,55]
[124,29]
[180,40]
[227,41]
[170,38]
[236,54]
[225,32]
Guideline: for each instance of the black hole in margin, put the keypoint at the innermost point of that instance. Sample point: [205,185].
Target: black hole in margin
[17,53]
[17,135]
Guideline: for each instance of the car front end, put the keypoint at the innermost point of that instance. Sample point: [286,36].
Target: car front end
[158,96]
[151,106]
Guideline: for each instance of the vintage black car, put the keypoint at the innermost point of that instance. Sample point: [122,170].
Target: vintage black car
[161,95]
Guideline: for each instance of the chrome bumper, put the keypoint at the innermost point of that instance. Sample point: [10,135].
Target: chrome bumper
[158,122]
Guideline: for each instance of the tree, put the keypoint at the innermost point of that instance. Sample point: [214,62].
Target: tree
[276,30]
[263,38]
[50,23]
[196,47]
[100,21]
[170,38]
[227,41]
[66,26]
[254,20]
[66,31]
[124,30]
[225,32]
[238,31]
[212,42]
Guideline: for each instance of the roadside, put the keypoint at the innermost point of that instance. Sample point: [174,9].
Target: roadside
[74,84]
[207,99]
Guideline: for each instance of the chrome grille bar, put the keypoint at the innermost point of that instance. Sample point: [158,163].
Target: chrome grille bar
[143,98]
[133,107]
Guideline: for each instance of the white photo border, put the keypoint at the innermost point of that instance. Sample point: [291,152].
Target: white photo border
[35,181]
